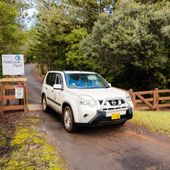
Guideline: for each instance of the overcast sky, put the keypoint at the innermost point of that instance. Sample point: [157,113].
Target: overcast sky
[30,20]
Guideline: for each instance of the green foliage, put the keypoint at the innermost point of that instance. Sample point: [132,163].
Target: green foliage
[29,34]
[60,29]
[135,39]
[11,32]
[10,36]
[127,41]
[73,50]
[49,44]
[86,12]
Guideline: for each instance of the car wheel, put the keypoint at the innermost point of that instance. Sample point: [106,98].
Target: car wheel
[68,119]
[44,104]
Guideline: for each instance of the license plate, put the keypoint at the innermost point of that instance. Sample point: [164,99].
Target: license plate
[115,116]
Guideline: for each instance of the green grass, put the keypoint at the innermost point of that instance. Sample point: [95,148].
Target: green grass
[157,121]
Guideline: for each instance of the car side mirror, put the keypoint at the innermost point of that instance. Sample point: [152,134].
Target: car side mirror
[57,87]
[110,85]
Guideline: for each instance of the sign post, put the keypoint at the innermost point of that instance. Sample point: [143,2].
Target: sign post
[13,88]
[12,65]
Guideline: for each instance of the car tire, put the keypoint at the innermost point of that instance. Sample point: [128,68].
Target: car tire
[68,120]
[44,104]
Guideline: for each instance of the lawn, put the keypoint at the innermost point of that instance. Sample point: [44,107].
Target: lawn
[158,121]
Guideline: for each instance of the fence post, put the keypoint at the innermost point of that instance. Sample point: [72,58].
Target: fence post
[25,97]
[133,97]
[156,98]
[0,98]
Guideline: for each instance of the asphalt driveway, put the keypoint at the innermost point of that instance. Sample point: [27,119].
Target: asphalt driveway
[103,148]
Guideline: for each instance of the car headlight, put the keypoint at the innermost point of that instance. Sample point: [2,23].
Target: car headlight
[87,100]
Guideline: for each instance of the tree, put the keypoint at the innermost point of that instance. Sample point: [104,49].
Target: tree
[86,12]
[59,30]
[49,46]
[127,41]
[11,34]
[74,56]
[132,45]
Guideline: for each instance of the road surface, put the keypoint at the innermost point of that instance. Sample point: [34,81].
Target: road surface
[103,148]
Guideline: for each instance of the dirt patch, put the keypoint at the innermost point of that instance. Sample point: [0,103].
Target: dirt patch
[8,124]
[24,145]
[144,131]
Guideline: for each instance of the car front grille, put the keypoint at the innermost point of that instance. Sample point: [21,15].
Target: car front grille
[113,104]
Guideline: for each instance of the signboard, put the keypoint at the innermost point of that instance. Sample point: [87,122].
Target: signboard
[12,64]
[19,92]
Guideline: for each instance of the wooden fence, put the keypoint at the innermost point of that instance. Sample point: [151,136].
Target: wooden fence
[151,100]
[8,99]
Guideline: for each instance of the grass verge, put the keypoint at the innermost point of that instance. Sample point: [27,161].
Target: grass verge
[157,121]
[27,147]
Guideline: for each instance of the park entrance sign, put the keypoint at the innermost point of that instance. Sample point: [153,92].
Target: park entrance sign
[13,85]
[12,65]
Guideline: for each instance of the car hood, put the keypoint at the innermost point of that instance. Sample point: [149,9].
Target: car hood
[100,93]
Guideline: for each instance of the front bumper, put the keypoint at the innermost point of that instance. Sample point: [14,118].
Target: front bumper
[101,118]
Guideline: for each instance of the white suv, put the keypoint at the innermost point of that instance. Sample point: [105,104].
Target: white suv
[85,98]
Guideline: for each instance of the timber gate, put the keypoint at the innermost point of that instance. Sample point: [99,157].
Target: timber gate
[13,94]
[151,100]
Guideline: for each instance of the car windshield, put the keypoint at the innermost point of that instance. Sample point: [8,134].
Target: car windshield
[85,81]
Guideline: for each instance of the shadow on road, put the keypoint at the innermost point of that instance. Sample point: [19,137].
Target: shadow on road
[52,116]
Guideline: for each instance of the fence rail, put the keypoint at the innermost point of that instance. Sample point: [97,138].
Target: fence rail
[151,100]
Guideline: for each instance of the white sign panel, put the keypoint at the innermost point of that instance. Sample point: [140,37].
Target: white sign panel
[19,92]
[13,64]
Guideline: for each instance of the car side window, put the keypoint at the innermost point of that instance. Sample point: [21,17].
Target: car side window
[50,80]
[58,79]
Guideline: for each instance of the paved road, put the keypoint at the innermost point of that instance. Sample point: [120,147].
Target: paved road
[34,85]
[104,148]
